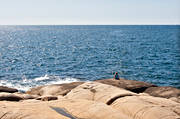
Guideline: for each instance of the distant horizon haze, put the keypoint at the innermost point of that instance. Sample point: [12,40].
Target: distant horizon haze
[86,12]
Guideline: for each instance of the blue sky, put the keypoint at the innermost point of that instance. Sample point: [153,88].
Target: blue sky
[89,12]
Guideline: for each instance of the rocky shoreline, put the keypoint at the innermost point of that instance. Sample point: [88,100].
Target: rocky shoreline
[100,99]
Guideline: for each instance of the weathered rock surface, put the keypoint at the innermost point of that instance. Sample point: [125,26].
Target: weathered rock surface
[10,97]
[56,89]
[176,99]
[26,96]
[98,92]
[92,100]
[136,106]
[28,110]
[132,85]
[165,92]
[47,98]
[147,107]
[64,109]
[7,89]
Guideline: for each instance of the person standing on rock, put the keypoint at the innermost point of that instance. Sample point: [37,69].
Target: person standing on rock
[116,76]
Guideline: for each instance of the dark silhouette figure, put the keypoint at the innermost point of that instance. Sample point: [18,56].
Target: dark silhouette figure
[116,76]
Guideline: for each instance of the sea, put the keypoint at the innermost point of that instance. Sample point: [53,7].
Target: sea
[35,55]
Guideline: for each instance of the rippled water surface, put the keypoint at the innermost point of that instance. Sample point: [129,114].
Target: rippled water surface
[38,55]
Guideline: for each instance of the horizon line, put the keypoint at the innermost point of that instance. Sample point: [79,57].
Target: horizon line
[78,24]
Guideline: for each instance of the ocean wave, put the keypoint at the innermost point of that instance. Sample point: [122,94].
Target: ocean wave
[25,84]
[42,78]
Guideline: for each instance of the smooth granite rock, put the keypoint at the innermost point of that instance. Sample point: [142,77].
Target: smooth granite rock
[166,92]
[132,85]
[7,89]
[10,97]
[47,98]
[176,99]
[147,107]
[26,96]
[98,92]
[55,89]
[92,100]
[64,109]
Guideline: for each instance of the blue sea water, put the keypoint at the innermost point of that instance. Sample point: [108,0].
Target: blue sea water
[38,55]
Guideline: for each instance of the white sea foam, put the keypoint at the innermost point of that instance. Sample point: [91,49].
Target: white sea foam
[18,85]
[5,83]
[46,77]
[25,84]
[65,80]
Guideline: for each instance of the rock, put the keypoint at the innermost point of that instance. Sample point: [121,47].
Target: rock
[132,85]
[64,109]
[85,109]
[9,97]
[7,89]
[26,96]
[166,92]
[136,106]
[90,100]
[28,110]
[60,97]
[176,99]
[143,94]
[147,107]
[98,92]
[55,89]
[47,98]
[163,102]
[33,101]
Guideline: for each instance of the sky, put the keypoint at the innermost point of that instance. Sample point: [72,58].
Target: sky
[89,12]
